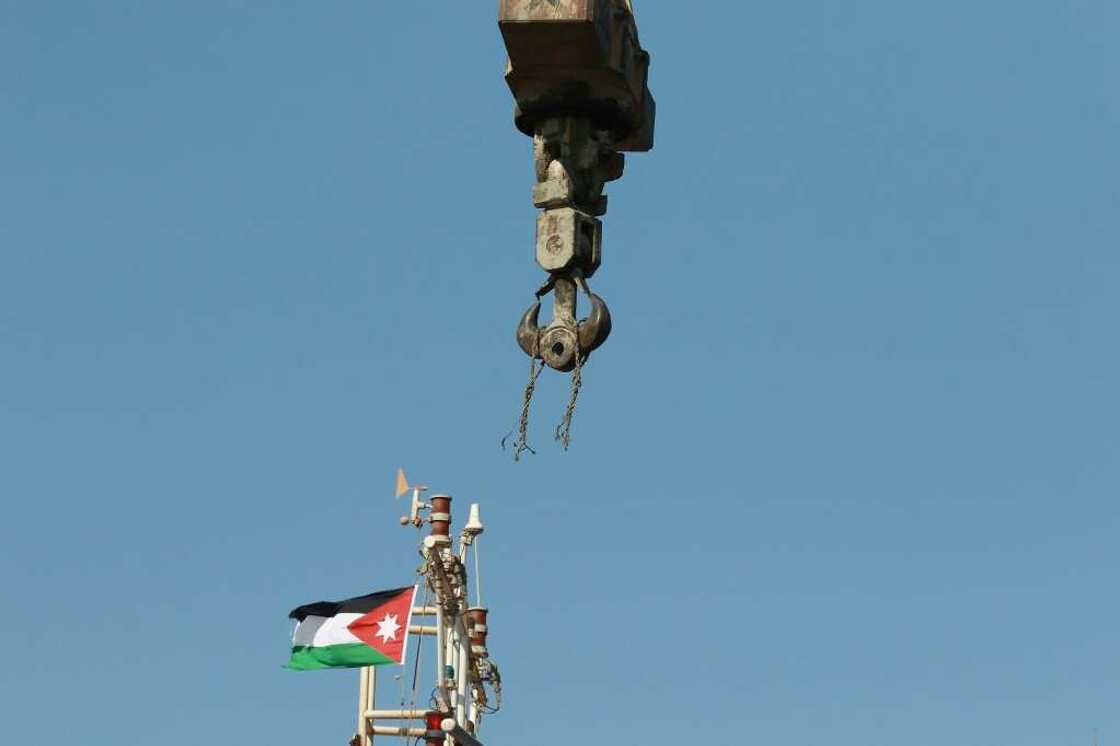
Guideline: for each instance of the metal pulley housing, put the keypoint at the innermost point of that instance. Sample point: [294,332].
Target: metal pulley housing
[579,58]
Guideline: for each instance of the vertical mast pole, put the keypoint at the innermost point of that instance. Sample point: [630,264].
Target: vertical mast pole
[363,700]
[463,672]
[441,635]
[371,700]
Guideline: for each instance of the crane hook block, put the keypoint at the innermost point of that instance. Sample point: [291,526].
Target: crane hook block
[579,79]
[579,58]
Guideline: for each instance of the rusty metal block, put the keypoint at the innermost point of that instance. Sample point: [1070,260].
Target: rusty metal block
[568,238]
[578,57]
[556,32]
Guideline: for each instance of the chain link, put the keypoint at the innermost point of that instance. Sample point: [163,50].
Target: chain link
[521,445]
[564,429]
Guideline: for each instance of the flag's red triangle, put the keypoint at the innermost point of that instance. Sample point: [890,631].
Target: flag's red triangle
[385,627]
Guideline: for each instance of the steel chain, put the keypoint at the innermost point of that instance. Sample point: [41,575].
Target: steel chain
[564,429]
[522,443]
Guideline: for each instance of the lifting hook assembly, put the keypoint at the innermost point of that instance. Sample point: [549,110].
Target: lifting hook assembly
[564,339]
[579,79]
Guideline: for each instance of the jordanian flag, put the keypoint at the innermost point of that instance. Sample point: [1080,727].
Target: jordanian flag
[366,631]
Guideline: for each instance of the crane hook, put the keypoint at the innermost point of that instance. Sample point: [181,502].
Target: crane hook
[564,338]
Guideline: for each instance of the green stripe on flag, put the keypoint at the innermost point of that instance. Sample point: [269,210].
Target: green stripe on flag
[357,655]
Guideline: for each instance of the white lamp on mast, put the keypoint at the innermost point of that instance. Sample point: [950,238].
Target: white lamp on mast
[474,525]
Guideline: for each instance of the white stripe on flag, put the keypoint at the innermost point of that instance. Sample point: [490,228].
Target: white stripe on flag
[319,631]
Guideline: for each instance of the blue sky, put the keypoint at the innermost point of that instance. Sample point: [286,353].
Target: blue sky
[846,472]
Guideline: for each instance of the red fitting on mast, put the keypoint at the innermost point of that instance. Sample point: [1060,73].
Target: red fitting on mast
[440,517]
[433,722]
[476,626]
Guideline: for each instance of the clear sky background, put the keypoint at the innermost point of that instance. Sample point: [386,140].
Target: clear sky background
[846,473]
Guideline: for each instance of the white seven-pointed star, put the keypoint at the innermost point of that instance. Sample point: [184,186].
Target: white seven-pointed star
[387,628]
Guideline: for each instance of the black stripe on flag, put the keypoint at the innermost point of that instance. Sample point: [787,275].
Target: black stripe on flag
[358,605]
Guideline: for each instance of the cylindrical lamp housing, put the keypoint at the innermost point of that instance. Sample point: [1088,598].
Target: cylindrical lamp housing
[476,626]
[440,517]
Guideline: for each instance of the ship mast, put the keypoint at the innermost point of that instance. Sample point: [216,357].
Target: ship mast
[467,682]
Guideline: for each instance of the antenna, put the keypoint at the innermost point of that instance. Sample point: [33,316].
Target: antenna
[474,525]
[471,532]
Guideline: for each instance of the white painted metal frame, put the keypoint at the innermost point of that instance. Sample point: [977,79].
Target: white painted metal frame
[453,649]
